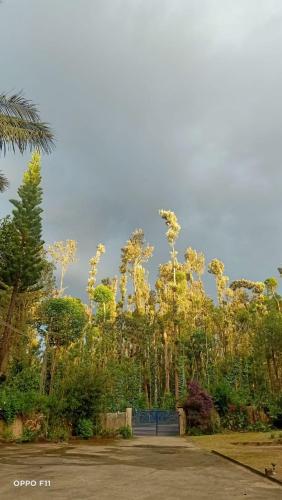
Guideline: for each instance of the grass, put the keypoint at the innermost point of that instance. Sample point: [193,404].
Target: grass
[256,449]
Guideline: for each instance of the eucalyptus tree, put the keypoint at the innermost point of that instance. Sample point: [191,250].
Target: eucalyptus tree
[170,269]
[94,261]
[63,253]
[133,255]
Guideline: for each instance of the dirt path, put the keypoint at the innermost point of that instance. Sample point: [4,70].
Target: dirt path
[160,468]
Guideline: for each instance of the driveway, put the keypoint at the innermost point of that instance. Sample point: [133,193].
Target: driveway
[145,468]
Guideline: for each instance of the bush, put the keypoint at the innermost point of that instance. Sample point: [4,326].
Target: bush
[8,436]
[10,405]
[125,432]
[81,395]
[236,418]
[275,410]
[198,407]
[28,436]
[85,428]
[15,402]
[58,432]
[222,396]
[195,431]
[259,427]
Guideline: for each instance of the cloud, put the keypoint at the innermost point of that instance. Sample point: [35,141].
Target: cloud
[160,104]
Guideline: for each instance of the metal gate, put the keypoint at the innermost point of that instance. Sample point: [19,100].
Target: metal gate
[155,423]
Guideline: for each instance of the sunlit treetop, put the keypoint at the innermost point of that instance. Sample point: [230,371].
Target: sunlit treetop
[216,267]
[256,286]
[173,225]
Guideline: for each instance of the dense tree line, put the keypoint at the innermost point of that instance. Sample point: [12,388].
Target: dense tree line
[131,344]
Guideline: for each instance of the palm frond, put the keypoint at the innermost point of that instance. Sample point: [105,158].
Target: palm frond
[16,105]
[18,133]
[3,182]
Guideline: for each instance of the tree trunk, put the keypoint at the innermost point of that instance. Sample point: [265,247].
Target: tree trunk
[166,359]
[176,382]
[44,366]
[53,368]
[7,334]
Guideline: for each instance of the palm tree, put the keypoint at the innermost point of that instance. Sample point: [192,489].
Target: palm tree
[3,182]
[20,128]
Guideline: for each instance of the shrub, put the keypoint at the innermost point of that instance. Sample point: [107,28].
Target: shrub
[85,428]
[8,436]
[275,410]
[198,407]
[81,395]
[28,436]
[259,427]
[125,432]
[58,432]
[15,402]
[236,418]
[195,431]
[10,405]
[222,396]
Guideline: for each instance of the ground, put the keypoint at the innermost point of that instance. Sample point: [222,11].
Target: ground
[257,449]
[157,468]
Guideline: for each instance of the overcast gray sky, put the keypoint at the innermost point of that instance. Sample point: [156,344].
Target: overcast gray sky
[172,104]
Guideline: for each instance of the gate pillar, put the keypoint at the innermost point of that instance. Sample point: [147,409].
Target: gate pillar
[182,421]
[128,417]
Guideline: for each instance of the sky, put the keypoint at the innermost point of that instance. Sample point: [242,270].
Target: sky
[172,104]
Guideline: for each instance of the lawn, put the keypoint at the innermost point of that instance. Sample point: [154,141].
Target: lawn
[256,449]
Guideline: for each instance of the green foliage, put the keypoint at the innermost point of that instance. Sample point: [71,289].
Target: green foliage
[80,394]
[10,406]
[102,294]
[20,125]
[259,427]
[108,433]
[168,401]
[84,428]
[122,386]
[275,411]
[21,245]
[65,319]
[236,418]
[58,432]
[8,436]
[195,431]
[25,380]
[28,436]
[125,432]
[224,395]
[14,402]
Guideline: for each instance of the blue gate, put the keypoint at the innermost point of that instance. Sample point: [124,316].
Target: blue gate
[155,423]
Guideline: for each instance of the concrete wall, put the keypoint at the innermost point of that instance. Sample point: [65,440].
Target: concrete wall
[113,421]
[16,428]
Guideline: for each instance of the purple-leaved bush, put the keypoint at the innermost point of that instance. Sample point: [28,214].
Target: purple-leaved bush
[198,405]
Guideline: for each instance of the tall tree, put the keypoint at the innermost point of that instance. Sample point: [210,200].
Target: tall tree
[63,253]
[170,331]
[21,249]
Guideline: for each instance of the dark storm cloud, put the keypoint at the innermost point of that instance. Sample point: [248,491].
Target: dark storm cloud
[155,104]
